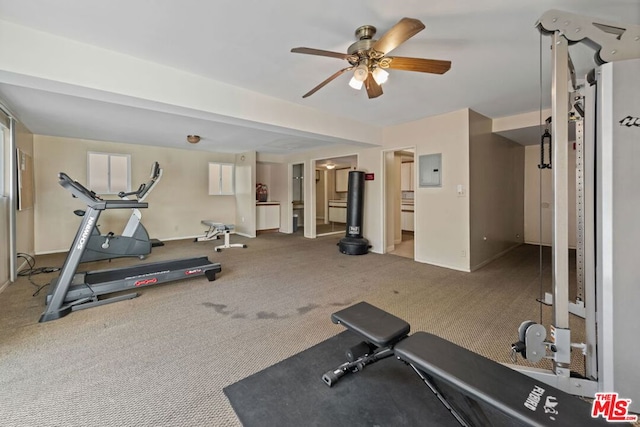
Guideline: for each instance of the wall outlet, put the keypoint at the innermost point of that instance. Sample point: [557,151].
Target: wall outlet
[463,254]
[242,219]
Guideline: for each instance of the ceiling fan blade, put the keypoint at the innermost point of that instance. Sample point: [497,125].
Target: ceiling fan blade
[398,34]
[324,83]
[434,66]
[374,90]
[320,52]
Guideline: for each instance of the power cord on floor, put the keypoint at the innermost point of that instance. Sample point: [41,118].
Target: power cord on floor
[32,271]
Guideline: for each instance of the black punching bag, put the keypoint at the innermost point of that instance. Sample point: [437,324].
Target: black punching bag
[353,243]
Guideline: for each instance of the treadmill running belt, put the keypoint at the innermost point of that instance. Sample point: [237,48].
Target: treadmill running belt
[94,278]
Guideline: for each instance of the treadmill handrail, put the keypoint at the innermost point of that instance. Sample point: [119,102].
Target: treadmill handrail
[156,174]
[143,191]
[91,199]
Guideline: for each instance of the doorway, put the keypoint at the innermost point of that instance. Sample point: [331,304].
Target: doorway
[331,193]
[399,208]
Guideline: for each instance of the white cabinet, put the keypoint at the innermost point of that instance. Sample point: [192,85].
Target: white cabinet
[342,180]
[406,218]
[406,176]
[337,211]
[267,216]
[337,214]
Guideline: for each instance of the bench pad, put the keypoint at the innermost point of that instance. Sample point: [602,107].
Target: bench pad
[493,386]
[218,225]
[375,325]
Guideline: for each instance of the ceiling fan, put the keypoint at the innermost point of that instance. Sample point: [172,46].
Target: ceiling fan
[368,60]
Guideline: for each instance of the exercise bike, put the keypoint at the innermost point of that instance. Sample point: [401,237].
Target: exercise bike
[134,240]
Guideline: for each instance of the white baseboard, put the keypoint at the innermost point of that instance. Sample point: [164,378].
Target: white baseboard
[495,257]
[547,245]
[437,264]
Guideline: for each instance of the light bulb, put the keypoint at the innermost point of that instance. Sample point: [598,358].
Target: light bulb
[356,84]
[380,75]
[361,72]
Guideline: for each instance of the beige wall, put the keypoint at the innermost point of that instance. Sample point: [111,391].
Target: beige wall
[539,198]
[245,198]
[442,218]
[392,227]
[180,201]
[496,192]
[176,205]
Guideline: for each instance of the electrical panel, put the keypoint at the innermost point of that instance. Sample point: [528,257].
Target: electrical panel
[430,174]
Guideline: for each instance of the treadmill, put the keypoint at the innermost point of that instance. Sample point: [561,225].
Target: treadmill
[73,290]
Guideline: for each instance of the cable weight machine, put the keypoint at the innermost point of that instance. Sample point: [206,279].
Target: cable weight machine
[607,189]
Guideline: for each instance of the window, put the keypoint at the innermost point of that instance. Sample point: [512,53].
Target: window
[108,173]
[221,179]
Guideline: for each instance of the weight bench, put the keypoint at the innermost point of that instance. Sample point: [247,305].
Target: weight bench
[216,229]
[476,390]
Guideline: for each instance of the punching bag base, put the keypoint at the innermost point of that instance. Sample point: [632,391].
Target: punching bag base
[354,245]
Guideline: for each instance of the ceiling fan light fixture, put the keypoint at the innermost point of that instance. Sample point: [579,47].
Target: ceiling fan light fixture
[368,61]
[380,75]
[356,84]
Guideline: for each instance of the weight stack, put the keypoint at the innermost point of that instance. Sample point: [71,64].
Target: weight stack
[353,243]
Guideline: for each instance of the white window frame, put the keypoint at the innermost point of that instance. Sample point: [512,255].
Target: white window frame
[94,176]
[217,181]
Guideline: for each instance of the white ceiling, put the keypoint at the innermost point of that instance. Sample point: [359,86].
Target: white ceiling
[493,45]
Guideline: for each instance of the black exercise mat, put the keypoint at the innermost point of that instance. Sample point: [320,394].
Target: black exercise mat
[292,393]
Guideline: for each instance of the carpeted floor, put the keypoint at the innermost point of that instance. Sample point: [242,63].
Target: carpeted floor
[388,393]
[163,358]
